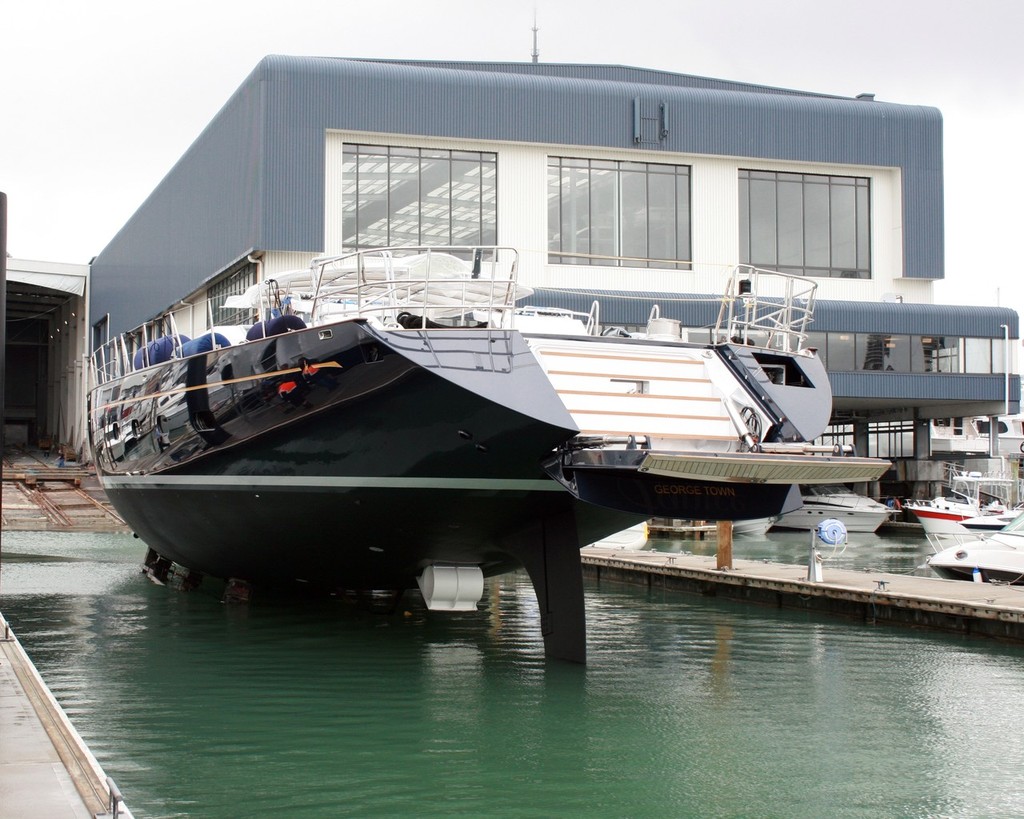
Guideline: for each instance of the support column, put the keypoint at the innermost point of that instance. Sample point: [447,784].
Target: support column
[922,439]
[860,437]
[550,553]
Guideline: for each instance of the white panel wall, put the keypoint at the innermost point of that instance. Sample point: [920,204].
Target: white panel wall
[522,218]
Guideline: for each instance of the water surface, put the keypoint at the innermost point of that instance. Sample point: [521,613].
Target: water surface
[689,706]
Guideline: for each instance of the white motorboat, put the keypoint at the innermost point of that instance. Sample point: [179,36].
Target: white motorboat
[823,501]
[974,502]
[635,537]
[753,526]
[991,558]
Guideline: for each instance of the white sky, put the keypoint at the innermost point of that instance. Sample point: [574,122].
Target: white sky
[99,100]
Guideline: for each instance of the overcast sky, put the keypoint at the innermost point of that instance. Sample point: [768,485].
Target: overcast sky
[100,99]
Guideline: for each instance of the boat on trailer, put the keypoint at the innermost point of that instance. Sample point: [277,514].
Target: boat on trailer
[394,421]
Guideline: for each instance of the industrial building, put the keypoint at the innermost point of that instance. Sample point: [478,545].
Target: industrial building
[636,186]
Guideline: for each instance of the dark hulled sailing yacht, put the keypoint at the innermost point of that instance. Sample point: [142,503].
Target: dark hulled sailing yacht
[398,419]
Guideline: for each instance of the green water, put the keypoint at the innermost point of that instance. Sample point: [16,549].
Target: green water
[688,706]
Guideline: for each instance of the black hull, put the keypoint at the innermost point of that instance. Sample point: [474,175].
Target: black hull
[612,480]
[345,537]
[346,457]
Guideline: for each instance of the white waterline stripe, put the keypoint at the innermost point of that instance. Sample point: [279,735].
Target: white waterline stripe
[245,482]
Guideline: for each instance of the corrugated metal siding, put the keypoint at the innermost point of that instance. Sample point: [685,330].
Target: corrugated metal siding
[693,310]
[910,387]
[578,105]
[914,319]
[612,73]
[255,177]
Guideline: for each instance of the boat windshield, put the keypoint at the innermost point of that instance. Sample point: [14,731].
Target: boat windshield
[1015,525]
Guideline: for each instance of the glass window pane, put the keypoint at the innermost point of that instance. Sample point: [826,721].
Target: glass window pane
[762,223]
[488,199]
[897,354]
[816,227]
[436,200]
[404,204]
[843,216]
[575,212]
[613,210]
[807,224]
[949,354]
[871,351]
[661,219]
[841,355]
[634,214]
[465,202]
[604,213]
[405,195]
[924,351]
[744,217]
[372,199]
[791,223]
[978,355]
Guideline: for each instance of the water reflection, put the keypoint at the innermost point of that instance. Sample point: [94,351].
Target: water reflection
[898,553]
[689,706]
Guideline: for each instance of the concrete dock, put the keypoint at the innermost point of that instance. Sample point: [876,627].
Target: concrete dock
[985,609]
[46,770]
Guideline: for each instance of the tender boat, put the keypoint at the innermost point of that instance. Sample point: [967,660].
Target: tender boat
[992,558]
[856,512]
[395,421]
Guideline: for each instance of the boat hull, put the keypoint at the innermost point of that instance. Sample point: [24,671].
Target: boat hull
[808,517]
[980,562]
[351,457]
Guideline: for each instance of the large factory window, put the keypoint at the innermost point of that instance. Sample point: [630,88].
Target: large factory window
[618,214]
[415,196]
[806,224]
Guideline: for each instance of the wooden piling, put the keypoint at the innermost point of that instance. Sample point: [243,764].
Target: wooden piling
[724,544]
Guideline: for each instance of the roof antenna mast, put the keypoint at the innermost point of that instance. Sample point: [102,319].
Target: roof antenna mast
[535,53]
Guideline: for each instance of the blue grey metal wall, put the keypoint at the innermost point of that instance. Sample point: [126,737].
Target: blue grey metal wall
[309,95]
[255,177]
[861,388]
[624,307]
